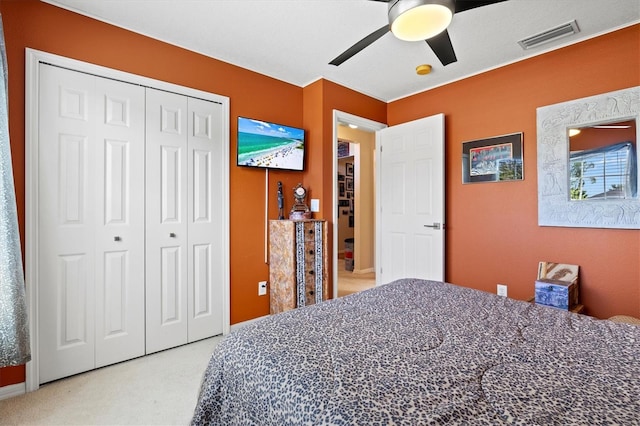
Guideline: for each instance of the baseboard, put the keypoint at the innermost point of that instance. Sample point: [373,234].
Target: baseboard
[245,323]
[364,271]
[10,391]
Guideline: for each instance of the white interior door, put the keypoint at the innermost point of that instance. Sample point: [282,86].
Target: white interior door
[91,287]
[411,200]
[206,224]
[166,220]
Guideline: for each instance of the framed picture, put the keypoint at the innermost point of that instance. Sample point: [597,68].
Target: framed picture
[497,159]
[341,188]
[351,205]
[343,148]
[349,169]
[349,195]
[351,221]
[344,203]
[349,184]
[340,178]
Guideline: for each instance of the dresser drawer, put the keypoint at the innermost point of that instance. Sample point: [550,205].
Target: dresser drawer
[309,231]
[311,248]
[310,267]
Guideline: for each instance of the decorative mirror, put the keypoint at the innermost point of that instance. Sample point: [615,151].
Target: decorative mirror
[587,162]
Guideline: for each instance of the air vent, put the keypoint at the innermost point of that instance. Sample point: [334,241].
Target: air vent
[552,34]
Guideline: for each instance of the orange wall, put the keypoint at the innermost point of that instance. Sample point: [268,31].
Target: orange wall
[492,228]
[37,25]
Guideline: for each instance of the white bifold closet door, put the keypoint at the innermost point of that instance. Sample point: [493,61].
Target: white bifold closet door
[130,220]
[91,222]
[183,222]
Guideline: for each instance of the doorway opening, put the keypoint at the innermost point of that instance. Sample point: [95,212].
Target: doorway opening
[354,203]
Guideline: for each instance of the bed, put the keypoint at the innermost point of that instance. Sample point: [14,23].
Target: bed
[417,352]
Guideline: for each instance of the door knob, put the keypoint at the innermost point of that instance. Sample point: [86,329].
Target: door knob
[172,235]
[117,238]
[435,225]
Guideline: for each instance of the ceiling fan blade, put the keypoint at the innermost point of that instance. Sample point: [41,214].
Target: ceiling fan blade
[441,44]
[360,45]
[442,47]
[462,5]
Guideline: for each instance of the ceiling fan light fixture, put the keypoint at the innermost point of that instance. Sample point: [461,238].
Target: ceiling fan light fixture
[417,20]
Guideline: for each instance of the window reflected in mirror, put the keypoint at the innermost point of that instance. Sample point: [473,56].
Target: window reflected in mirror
[603,161]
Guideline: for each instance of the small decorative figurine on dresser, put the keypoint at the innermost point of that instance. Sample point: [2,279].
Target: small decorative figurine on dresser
[280,202]
[300,210]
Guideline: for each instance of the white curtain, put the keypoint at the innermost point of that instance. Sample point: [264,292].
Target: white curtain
[14,328]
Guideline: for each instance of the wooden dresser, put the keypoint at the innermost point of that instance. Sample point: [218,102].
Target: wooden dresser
[297,263]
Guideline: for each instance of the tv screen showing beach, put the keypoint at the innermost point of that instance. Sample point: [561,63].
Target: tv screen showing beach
[269,145]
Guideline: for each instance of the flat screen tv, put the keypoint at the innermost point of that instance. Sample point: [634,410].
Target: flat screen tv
[270,145]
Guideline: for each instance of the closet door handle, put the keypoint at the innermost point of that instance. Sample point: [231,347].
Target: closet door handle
[172,235]
[311,272]
[310,251]
[117,238]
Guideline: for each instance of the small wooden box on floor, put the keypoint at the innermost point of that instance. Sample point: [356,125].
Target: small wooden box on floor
[557,293]
[557,285]
[297,263]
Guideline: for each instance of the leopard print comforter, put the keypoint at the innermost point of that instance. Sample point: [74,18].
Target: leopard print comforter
[417,352]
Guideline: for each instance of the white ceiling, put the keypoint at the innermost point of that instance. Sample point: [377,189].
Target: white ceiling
[294,40]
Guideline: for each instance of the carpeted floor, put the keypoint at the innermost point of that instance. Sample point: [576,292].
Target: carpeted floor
[348,282]
[158,389]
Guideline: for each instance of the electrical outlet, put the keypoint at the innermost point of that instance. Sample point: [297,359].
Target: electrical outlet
[502,290]
[262,288]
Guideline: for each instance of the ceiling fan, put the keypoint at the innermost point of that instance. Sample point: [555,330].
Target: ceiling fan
[414,20]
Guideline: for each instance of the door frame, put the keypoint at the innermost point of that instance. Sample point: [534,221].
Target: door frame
[362,123]
[32,77]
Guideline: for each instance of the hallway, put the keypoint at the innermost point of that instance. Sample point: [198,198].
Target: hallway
[348,282]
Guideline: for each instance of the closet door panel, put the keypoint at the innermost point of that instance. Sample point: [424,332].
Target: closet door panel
[66,220]
[172,203]
[120,222]
[166,220]
[205,225]
[170,285]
